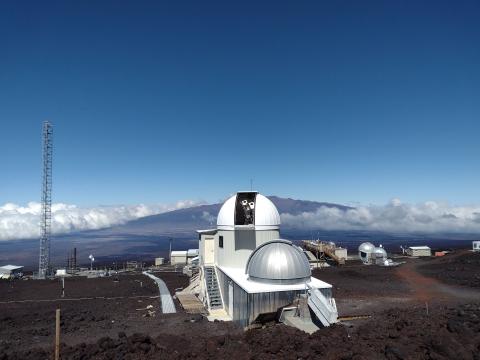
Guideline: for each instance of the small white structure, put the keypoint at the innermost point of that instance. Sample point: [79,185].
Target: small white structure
[11,271]
[476,245]
[341,253]
[419,251]
[61,272]
[178,257]
[192,254]
[183,257]
[247,271]
[159,261]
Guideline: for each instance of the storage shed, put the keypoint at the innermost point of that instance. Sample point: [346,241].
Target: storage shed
[178,257]
[419,251]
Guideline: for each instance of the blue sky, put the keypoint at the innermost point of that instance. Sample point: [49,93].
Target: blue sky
[160,101]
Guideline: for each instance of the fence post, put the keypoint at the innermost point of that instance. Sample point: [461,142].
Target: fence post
[57,335]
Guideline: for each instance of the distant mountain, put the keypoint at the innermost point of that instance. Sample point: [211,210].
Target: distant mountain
[142,238]
[185,222]
[148,237]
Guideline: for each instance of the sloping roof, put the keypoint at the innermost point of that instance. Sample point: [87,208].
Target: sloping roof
[11,267]
[179,253]
[241,279]
[207,231]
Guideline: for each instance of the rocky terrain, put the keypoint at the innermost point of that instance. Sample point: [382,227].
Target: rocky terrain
[461,269]
[406,315]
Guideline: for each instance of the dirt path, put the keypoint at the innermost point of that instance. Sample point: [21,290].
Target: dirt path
[426,289]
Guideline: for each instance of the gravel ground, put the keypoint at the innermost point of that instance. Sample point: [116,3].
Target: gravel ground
[411,316]
[461,268]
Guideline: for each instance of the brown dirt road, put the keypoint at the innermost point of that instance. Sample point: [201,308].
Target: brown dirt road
[426,289]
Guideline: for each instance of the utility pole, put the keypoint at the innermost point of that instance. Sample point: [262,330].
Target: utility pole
[46,215]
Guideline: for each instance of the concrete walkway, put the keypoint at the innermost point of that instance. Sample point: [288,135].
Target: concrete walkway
[168,307]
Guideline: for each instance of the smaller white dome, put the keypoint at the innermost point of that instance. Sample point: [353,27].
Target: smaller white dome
[366,247]
[380,252]
[278,262]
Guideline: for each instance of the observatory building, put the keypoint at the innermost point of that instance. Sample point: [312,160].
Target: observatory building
[369,254]
[246,270]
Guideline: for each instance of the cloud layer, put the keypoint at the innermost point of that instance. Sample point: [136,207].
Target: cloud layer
[22,222]
[428,217]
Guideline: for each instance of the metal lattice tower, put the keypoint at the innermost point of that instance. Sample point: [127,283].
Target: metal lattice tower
[46,216]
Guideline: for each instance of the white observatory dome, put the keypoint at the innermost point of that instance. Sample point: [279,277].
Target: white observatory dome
[380,252]
[366,248]
[278,262]
[248,209]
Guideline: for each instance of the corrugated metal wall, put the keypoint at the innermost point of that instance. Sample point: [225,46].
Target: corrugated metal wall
[247,307]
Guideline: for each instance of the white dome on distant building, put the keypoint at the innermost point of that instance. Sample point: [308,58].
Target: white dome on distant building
[380,252]
[278,262]
[366,247]
[248,209]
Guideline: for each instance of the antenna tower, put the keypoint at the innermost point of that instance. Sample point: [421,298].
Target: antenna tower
[46,216]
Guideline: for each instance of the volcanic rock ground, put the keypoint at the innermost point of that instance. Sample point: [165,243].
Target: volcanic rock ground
[423,309]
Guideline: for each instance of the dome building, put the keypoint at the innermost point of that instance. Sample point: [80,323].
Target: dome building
[369,254]
[278,262]
[245,221]
[246,270]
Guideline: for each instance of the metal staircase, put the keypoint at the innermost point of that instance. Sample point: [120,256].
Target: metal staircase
[214,297]
[325,309]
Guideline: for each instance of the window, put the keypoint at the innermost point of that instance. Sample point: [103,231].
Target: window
[220,241]
[245,208]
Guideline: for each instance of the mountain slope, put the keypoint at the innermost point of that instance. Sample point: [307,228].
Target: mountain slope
[186,221]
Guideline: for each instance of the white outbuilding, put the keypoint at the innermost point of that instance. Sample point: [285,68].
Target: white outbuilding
[476,245]
[419,251]
[247,271]
[178,257]
[183,257]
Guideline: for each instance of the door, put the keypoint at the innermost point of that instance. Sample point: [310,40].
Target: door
[209,251]
[230,299]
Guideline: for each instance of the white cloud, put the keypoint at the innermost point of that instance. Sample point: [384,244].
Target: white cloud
[428,217]
[22,222]
[209,217]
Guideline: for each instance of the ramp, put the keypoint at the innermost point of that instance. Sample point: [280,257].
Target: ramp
[168,307]
[190,303]
[324,309]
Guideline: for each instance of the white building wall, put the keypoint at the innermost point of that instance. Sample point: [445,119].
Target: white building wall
[179,259]
[419,252]
[239,244]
